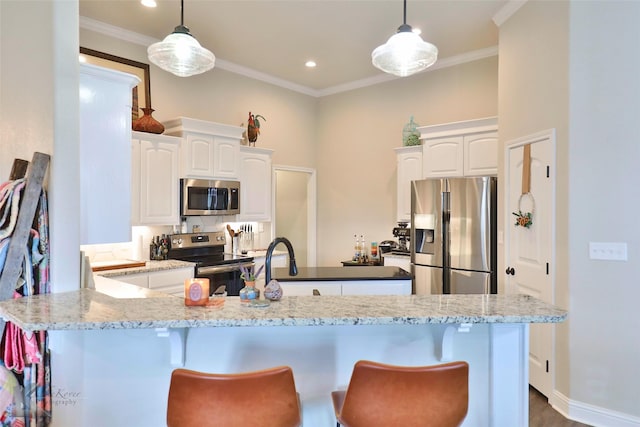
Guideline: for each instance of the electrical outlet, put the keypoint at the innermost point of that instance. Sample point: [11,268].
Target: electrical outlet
[614,251]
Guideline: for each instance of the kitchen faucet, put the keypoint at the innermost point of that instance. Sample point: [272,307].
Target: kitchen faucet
[293,269]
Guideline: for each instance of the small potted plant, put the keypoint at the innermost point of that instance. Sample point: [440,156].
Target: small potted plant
[249,291]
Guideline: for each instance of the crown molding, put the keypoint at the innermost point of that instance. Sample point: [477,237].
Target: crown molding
[440,63]
[140,39]
[116,32]
[507,10]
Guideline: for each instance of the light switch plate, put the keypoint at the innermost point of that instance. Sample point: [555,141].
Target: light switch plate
[613,251]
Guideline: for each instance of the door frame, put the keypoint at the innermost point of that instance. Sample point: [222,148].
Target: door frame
[311,207]
[550,135]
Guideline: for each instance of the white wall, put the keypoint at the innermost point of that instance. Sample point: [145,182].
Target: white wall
[571,66]
[357,132]
[603,181]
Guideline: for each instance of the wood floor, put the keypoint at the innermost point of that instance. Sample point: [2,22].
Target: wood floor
[541,414]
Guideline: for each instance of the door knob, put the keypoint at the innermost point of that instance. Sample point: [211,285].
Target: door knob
[511,271]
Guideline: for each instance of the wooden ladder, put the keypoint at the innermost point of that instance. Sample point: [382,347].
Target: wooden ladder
[34,173]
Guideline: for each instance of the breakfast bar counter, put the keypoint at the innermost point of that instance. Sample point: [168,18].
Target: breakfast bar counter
[109,352]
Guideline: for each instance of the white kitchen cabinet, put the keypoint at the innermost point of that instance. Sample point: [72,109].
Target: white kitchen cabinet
[168,281]
[105,155]
[255,184]
[139,279]
[306,288]
[402,261]
[376,287]
[443,157]
[481,154]
[154,186]
[468,148]
[209,150]
[348,287]
[409,168]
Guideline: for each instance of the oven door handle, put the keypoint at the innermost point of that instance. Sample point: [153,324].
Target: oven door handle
[216,269]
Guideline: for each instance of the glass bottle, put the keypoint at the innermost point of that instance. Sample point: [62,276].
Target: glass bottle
[356,248]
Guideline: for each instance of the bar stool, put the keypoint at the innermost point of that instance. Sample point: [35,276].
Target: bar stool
[380,394]
[265,398]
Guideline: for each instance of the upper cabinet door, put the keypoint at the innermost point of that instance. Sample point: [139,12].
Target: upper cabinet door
[443,157]
[409,165]
[255,184]
[198,154]
[481,154]
[226,158]
[158,185]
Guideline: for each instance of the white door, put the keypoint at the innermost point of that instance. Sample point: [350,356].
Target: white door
[530,251]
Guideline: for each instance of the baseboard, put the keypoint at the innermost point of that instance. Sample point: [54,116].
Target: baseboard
[590,414]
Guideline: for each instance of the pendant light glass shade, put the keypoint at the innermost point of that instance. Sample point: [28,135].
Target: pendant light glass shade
[405,53]
[180,53]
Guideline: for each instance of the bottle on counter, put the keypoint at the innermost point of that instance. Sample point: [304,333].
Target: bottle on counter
[364,255]
[374,250]
[356,255]
[183,226]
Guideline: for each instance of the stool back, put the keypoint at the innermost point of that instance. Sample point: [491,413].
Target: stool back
[380,394]
[266,398]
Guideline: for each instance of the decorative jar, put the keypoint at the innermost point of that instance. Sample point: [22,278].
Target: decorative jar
[273,290]
[249,292]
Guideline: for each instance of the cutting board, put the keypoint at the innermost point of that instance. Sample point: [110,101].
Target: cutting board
[116,264]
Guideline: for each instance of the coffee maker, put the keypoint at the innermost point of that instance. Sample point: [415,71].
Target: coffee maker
[402,233]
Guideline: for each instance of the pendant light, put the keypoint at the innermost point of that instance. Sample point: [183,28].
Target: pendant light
[180,53]
[405,53]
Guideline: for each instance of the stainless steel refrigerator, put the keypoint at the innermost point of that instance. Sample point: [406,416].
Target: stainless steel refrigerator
[453,235]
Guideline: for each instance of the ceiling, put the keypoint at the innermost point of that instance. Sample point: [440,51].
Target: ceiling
[273,39]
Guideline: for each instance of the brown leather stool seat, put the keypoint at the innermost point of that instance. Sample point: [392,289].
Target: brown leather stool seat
[265,398]
[388,395]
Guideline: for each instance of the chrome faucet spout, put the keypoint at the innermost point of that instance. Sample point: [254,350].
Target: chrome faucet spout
[293,268]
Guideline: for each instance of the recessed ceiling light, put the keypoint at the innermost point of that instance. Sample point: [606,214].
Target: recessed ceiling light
[310,64]
[149,3]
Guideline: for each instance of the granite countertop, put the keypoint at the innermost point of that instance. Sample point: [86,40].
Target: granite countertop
[342,274]
[150,266]
[88,309]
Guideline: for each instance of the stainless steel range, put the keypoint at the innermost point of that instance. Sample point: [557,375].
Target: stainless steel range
[207,251]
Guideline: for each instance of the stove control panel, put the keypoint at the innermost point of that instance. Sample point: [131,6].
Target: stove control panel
[197,240]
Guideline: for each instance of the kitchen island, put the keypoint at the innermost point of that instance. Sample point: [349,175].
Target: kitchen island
[112,357]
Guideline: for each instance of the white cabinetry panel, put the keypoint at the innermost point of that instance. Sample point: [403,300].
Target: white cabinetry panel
[409,167]
[307,288]
[443,157]
[468,148]
[481,154]
[155,179]
[209,150]
[376,287]
[141,279]
[197,156]
[255,182]
[105,155]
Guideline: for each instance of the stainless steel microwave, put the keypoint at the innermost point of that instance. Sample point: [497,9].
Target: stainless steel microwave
[209,197]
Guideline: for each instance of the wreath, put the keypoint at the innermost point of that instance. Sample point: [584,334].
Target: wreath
[525,219]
